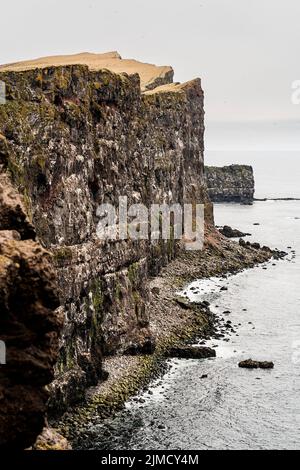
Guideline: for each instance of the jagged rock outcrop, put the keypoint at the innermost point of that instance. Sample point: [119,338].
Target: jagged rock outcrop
[29,325]
[76,137]
[233,183]
[230,232]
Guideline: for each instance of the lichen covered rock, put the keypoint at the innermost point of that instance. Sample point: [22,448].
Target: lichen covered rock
[250,364]
[50,439]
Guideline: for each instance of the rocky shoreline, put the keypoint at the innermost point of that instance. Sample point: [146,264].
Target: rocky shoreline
[173,323]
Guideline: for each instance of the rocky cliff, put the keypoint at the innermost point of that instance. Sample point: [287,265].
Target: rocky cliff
[77,136]
[29,324]
[234,183]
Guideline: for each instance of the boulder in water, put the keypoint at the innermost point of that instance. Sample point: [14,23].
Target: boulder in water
[250,364]
[230,232]
[191,352]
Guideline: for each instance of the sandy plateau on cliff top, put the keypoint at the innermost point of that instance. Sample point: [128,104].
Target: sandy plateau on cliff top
[148,73]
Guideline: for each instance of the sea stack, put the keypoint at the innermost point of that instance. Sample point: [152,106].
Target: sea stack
[233,183]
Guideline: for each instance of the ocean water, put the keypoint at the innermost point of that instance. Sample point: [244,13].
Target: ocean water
[233,408]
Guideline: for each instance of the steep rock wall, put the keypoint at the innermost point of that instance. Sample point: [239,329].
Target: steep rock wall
[76,138]
[29,324]
[233,183]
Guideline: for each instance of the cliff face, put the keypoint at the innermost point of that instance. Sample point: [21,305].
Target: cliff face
[76,138]
[234,183]
[29,326]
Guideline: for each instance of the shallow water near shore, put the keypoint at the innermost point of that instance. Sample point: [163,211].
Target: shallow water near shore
[231,408]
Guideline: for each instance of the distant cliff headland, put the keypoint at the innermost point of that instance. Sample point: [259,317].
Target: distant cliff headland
[233,183]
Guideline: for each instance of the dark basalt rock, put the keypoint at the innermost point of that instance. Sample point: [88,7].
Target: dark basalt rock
[229,232]
[266,365]
[242,242]
[279,254]
[191,352]
[145,347]
[256,246]
[250,364]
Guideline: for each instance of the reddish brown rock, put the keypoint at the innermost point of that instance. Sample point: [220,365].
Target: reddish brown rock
[13,216]
[29,325]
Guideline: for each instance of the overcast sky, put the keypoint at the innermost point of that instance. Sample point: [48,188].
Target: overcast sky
[247,52]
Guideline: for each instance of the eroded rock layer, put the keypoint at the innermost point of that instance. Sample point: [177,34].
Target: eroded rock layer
[73,138]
